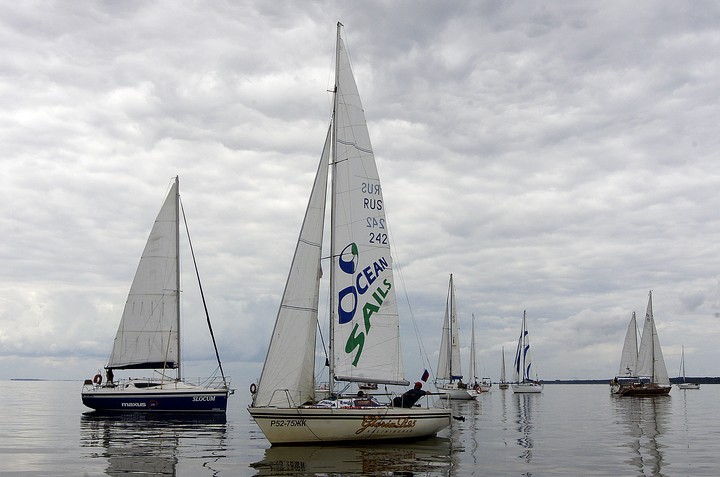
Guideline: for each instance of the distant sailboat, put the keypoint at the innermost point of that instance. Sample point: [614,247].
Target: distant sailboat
[648,376]
[503,379]
[524,383]
[684,384]
[476,386]
[449,374]
[148,336]
[364,323]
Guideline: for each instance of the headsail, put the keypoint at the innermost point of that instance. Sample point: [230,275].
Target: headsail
[365,332]
[289,364]
[148,334]
[629,357]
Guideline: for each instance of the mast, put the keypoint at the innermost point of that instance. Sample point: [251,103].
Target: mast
[450,330]
[473,364]
[333,162]
[682,363]
[177,269]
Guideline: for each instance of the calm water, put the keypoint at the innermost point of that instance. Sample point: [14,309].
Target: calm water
[567,430]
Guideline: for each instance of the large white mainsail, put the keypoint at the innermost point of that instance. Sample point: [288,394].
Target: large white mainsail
[365,334]
[148,334]
[650,358]
[289,364]
[629,356]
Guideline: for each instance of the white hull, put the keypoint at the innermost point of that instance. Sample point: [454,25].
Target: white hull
[688,386]
[457,394]
[527,388]
[315,425]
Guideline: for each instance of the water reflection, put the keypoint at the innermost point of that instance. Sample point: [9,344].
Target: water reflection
[142,444]
[524,423]
[645,420]
[427,457]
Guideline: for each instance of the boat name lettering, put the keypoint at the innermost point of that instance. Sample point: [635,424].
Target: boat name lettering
[386,423]
[203,398]
[348,296]
[288,423]
[133,404]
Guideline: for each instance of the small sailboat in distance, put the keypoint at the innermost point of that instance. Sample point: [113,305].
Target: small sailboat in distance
[449,370]
[503,379]
[523,381]
[685,384]
[649,376]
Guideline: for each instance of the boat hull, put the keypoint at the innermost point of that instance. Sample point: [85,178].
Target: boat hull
[314,425]
[640,389]
[688,386]
[168,398]
[457,394]
[527,388]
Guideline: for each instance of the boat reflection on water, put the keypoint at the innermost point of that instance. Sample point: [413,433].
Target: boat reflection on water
[146,444]
[645,420]
[524,424]
[428,457]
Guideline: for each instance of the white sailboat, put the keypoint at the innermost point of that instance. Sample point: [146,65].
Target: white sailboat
[649,376]
[476,386]
[523,381]
[503,379]
[148,336]
[685,384]
[449,370]
[364,325]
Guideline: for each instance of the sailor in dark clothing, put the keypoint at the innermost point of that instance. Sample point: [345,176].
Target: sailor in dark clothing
[410,397]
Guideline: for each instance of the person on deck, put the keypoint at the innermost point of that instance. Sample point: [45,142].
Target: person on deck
[410,397]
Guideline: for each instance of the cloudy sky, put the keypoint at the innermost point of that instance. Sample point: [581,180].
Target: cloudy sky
[556,157]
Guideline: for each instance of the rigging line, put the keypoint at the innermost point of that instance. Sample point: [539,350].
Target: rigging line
[396,266]
[322,341]
[202,295]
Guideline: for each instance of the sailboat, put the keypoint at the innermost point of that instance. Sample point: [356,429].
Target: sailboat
[523,382]
[503,379]
[476,385]
[684,384]
[364,325]
[148,336]
[449,375]
[648,376]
